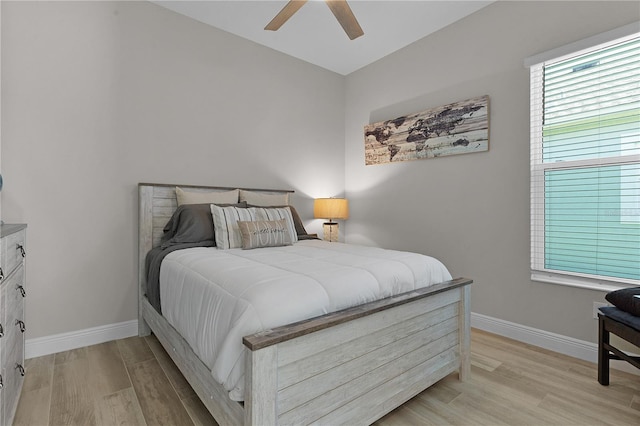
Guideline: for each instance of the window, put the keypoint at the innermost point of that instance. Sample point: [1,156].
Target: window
[585,165]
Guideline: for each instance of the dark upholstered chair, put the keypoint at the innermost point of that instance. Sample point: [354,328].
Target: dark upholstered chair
[622,324]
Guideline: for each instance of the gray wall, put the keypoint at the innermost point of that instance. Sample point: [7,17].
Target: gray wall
[98,96]
[471,211]
[0,110]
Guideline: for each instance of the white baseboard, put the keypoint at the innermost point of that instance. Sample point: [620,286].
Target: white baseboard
[580,349]
[555,342]
[77,339]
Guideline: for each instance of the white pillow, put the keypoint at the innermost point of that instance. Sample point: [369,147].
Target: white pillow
[225,225]
[225,222]
[277,213]
[264,200]
[208,197]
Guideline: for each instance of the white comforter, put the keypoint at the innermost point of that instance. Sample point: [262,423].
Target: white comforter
[215,297]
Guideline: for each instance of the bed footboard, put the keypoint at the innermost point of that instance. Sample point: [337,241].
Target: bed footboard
[355,366]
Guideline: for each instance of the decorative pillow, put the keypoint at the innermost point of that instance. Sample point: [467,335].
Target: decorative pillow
[208,197]
[264,233]
[264,200]
[225,225]
[277,213]
[225,222]
[297,221]
[626,299]
[191,223]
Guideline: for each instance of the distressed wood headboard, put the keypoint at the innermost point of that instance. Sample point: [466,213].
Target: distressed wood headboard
[157,202]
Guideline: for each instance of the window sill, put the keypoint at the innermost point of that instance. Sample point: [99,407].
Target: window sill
[581,282]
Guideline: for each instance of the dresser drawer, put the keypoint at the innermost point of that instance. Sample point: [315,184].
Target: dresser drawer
[12,311]
[11,343]
[13,378]
[14,365]
[12,318]
[13,251]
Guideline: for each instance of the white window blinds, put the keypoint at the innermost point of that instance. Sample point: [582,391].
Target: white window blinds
[585,164]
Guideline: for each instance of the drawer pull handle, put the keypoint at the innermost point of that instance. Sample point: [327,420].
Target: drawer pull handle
[21,290]
[20,368]
[21,325]
[1,384]
[1,331]
[21,248]
[1,274]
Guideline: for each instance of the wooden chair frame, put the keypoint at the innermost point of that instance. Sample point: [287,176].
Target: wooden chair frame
[607,352]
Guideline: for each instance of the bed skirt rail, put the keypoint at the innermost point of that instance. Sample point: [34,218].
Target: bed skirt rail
[213,395]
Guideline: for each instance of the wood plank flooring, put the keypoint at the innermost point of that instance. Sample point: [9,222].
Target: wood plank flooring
[134,382]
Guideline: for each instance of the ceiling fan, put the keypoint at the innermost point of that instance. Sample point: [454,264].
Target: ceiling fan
[340,9]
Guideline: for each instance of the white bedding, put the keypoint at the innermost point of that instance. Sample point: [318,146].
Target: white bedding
[215,297]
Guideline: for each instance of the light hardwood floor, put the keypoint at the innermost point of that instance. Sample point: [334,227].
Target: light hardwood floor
[133,382]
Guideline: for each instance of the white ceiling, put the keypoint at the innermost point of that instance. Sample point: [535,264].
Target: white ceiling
[314,35]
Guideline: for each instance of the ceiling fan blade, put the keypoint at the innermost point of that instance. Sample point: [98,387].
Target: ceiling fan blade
[345,16]
[283,16]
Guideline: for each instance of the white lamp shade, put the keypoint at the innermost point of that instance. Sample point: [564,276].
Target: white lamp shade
[331,208]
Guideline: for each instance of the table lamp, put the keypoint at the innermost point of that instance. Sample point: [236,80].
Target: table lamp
[330,209]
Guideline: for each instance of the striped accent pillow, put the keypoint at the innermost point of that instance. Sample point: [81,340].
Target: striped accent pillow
[277,213]
[225,225]
[225,222]
[264,233]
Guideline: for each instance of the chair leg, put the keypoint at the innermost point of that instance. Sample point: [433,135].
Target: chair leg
[603,353]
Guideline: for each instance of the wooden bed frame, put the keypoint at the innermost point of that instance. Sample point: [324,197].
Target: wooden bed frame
[348,367]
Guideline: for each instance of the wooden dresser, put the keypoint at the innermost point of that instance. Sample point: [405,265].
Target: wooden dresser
[12,326]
